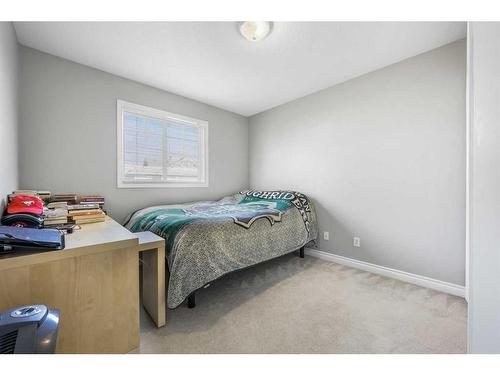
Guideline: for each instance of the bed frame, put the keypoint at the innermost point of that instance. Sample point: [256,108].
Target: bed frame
[191,299]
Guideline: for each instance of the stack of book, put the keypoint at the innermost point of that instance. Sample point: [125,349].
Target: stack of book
[55,213]
[86,213]
[92,199]
[68,198]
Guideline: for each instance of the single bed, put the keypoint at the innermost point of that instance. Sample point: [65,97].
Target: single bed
[206,240]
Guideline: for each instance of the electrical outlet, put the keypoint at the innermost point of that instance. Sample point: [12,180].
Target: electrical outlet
[356,242]
[326,236]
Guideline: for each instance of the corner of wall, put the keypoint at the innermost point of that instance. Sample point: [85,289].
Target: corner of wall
[9,107]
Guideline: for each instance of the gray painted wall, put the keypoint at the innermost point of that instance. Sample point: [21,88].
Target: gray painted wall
[68,134]
[8,109]
[382,157]
[484,188]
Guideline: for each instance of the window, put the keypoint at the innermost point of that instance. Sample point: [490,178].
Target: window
[160,149]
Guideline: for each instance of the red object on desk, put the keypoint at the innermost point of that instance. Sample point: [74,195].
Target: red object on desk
[25,204]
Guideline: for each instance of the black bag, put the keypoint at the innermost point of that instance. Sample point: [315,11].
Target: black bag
[14,238]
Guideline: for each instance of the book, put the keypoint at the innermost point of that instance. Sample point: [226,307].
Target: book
[58,205]
[69,198]
[90,220]
[91,198]
[86,213]
[52,221]
[85,217]
[64,196]
[55,220]
[55,212]
[99,205]
[84,206]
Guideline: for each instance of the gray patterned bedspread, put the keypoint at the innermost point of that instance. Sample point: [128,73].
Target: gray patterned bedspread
[206,240]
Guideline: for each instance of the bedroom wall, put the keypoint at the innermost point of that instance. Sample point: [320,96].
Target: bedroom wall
[68,135]
[8,109]
[383,158]
[484,188]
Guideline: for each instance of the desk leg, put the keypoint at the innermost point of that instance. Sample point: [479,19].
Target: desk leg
[153,284]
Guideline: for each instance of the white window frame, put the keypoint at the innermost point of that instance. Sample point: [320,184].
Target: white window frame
[123,106]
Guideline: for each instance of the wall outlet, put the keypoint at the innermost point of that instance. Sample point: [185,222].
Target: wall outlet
[326,236]
[356,242]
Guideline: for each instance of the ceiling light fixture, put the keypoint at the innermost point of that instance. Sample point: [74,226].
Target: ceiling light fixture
[255,31]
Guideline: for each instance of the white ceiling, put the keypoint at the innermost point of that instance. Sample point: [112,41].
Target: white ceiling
[212,63]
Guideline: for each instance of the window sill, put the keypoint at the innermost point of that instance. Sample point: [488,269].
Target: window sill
[161,185]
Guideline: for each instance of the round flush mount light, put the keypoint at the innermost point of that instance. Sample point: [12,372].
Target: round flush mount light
[255,31]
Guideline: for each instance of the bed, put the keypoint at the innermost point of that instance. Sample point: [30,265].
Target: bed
[206,240]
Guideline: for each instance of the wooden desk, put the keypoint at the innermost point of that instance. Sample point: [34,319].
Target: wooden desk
[94,282]
[153,275]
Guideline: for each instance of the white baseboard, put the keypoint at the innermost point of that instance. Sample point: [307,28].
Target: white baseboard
[426,282]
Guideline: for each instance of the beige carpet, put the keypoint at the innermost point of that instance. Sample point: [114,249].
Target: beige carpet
[294,305]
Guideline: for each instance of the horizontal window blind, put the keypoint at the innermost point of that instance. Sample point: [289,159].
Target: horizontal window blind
[158,149]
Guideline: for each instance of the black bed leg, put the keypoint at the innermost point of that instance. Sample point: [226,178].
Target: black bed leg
[192,301]
[301,252]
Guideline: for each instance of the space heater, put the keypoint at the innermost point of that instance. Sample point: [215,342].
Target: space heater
[29,330]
